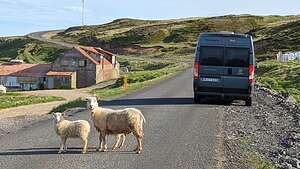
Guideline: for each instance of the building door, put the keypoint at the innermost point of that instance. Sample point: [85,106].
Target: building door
[50,83]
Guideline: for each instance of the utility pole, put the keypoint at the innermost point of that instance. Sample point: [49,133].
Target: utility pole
[82,13]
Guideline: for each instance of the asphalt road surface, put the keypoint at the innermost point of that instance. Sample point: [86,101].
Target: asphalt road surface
[178,134]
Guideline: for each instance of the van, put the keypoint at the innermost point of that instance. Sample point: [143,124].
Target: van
[224,66]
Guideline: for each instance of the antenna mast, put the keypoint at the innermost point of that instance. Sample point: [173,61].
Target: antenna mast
[82,21]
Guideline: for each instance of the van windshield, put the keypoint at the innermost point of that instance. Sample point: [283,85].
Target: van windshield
[211,56]
[236,57]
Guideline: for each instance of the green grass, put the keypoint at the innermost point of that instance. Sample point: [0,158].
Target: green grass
[29,50]
[250,158]
[9,100]
[63,107]
[280,76]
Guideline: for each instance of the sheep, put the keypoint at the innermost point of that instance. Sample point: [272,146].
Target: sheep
[116,122]
[71,129]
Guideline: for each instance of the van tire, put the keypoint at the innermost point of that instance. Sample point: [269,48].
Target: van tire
[197,99]
[248,101]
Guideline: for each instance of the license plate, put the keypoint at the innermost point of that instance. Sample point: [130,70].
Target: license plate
[209,79]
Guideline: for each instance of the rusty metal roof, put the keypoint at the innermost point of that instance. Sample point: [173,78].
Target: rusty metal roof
[24,70]
[87,50]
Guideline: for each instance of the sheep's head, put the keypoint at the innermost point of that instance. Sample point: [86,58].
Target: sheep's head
[58,117]
[92,103]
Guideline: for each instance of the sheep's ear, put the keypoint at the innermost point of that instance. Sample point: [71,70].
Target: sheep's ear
[95,96]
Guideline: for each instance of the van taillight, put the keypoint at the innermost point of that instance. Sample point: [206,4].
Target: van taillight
[196,71]
[251,74]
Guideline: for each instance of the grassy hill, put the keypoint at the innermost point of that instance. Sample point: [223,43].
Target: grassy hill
[29,50]
[178,37]
[161,38]
[272,39]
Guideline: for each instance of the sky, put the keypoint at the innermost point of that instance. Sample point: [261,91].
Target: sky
[20,17]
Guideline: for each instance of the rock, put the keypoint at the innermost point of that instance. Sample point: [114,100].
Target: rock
[286,165]
[295,162]
[285,94]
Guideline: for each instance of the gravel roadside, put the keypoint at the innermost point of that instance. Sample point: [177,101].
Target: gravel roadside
[264,135]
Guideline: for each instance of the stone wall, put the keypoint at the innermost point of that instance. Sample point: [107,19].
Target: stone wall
[70,62]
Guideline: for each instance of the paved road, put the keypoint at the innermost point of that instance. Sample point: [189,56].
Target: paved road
[178,134]
[40,36]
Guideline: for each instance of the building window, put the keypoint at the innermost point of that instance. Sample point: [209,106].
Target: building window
[83,63]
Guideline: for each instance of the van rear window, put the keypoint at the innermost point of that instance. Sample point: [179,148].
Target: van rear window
[236,57]
[211,56]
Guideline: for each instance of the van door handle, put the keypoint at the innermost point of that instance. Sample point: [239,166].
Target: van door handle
[230,71]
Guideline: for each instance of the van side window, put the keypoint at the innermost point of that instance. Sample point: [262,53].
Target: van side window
[211,56]
[236,57]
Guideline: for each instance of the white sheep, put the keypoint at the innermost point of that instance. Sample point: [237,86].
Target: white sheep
[71,129]
[116,122]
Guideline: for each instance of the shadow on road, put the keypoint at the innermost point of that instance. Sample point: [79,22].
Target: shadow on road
[163,101]
[148,101]
[48,151]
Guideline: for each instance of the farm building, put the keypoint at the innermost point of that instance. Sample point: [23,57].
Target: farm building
[24,76]
[92,65]
[79,67]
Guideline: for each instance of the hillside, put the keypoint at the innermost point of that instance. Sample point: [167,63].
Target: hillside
[29,50]
[167,39]
[272,39]
[178,37]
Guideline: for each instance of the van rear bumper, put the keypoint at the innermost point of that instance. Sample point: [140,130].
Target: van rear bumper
[235,95]
[223,92]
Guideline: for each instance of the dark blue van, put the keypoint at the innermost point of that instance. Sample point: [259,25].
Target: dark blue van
[224,66]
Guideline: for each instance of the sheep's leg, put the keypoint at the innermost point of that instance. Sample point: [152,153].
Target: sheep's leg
[138,136]
[62,144]
[65,145]
[100,143]
[104,145]
[85,143]
[123,140]
[118,136]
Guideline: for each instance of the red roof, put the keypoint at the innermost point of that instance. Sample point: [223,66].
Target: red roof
[86,51]
[51,73]
[25,70]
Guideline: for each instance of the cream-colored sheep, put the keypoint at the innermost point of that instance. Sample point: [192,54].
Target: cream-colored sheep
[116,122]
[71,129]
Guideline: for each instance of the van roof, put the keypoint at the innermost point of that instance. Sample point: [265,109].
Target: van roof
[224,33]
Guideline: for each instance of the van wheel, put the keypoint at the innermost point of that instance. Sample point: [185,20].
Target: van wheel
[248,101]
[197,98]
